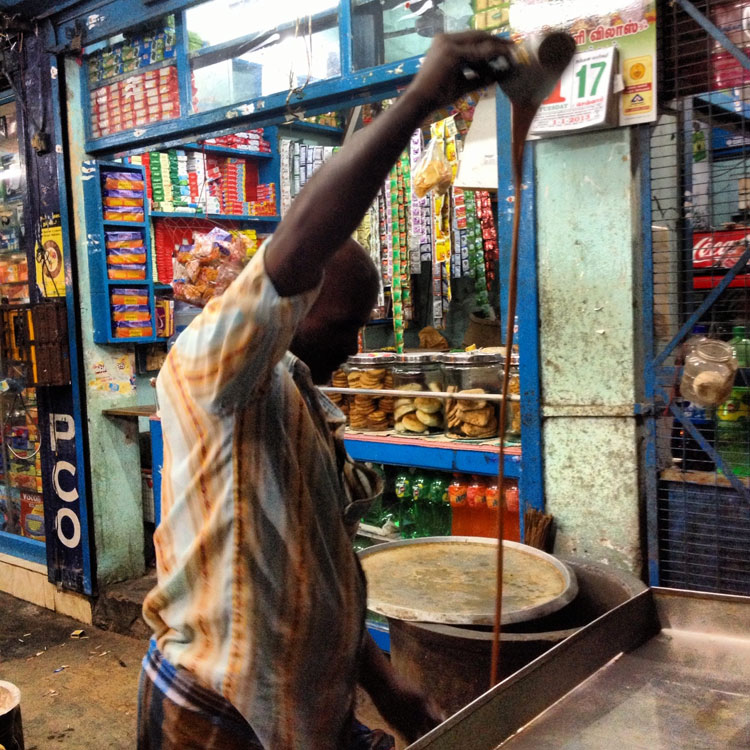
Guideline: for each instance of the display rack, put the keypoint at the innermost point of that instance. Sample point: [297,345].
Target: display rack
[99,283]
[240,218]
[268,166]
[437,454]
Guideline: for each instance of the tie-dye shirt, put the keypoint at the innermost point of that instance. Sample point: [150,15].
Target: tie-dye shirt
[259,592]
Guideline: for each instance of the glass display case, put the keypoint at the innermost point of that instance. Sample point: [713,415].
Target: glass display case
[14,271]
[293,44]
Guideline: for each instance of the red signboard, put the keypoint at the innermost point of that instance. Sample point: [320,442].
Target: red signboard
[714,253]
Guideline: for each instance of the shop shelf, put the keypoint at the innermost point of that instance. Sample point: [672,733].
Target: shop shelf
[100,284]
[129,224]
[226,151]
[705,478]
[124,76]
[23,547]
[134,340]
[311,127]
[433,453]
[128,282]
[214,217]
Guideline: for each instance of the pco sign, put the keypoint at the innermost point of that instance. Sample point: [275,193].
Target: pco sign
[67,523]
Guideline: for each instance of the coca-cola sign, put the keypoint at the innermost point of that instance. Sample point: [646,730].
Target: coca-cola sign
[719,250]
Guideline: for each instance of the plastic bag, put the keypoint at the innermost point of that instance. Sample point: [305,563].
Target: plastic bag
[433,171]
[206,268]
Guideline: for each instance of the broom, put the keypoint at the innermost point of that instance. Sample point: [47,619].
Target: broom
[537,528]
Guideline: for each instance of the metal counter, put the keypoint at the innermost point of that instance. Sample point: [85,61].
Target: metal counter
[667,669]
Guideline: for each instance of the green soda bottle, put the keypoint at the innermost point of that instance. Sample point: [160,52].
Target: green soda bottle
[420,489]
[733,431]
[403,491]
[741,345]
[441,507]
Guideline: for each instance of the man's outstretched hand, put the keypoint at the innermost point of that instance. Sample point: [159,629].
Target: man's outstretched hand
[442,78]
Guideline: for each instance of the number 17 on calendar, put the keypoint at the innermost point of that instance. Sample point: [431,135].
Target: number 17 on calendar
[584,96]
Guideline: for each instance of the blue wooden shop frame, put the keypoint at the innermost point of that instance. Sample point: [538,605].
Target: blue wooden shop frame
[85,556]
[68,563]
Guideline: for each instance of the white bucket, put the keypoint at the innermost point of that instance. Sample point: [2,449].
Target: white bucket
[11,731]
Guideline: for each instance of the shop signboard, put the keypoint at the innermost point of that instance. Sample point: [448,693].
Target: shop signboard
[64,513]
[50,265]
[629,27]
[714,253]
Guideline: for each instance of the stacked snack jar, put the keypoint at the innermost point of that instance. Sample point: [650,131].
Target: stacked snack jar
[370,372]
[340,379]
[475,374]
[513,409]
[418,371]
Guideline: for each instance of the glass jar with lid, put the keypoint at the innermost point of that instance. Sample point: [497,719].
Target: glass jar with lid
[340,379]
[418,371]
[370,371]
[513,409]
[708,375]
[472,373]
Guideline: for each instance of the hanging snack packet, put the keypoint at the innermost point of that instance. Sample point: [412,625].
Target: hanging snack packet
[433,171]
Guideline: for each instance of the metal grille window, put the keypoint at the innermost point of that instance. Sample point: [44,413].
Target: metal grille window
[700,169]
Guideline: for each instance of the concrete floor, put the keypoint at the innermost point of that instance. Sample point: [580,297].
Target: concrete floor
[79,694]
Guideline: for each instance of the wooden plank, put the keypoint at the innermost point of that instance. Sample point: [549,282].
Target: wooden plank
[706,478]
[147,410]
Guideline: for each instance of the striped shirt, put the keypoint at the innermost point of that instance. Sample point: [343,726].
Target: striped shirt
[259,594]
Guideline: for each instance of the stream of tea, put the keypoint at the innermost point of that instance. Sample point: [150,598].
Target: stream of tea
[521,119]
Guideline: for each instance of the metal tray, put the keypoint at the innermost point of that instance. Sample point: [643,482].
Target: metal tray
[452,580]
[667,669]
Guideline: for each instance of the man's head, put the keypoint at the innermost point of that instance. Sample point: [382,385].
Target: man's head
[328,334]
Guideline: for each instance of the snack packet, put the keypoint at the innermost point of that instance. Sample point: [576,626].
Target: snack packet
[206,268]
[433,172]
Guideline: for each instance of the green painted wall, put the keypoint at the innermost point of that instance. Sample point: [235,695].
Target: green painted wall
[115,464]
[589,285]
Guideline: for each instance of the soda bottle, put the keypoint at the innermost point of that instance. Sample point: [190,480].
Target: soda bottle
[733,431]
[476,498]
[440,506]
[403,492]
[420,490]
[457,490]
[512,517]
[741,344]
[493,507]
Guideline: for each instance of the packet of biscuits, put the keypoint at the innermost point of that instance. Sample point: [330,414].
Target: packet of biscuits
[433,172]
